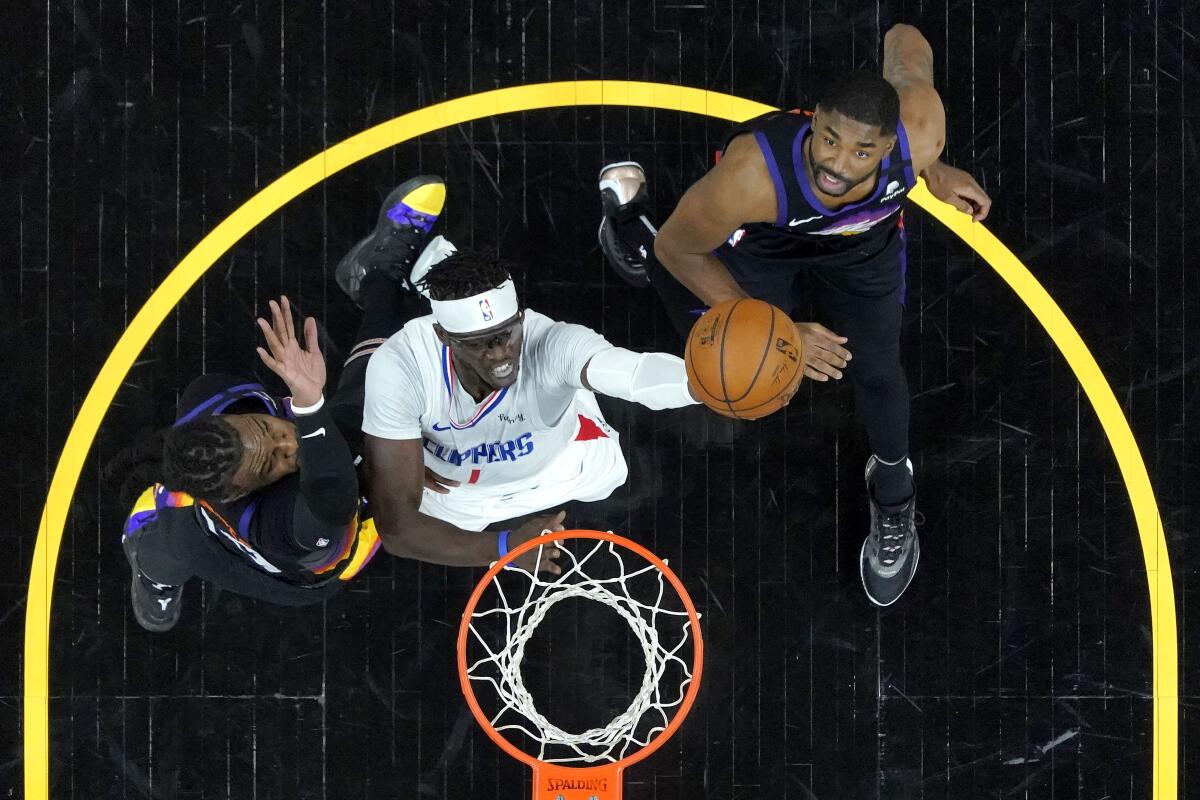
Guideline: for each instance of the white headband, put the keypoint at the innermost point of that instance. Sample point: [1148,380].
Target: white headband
[477,312]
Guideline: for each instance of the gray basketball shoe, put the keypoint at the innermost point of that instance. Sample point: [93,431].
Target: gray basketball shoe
[626,233]
[890,552]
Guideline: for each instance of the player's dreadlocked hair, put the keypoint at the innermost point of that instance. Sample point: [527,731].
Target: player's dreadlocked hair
[136,467]
[465,273]
[864,97]
[200,457]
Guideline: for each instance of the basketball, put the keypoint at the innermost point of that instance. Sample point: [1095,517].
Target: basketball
[744,359]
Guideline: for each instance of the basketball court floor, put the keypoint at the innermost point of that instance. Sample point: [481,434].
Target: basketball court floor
[1024,661]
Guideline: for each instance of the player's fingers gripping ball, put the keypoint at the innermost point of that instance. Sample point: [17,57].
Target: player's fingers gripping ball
[744,359]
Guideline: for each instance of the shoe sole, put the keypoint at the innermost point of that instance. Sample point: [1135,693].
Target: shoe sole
[150,625]
[344,272]
[638,279]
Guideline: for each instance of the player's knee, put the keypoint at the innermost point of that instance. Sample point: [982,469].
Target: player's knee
[877,371]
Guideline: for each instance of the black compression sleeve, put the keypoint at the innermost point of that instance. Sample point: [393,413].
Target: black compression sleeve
[328,481]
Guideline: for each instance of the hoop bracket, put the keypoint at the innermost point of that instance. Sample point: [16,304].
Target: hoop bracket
[554,782]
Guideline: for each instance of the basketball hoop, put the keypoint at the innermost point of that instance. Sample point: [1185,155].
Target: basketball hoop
[629,580]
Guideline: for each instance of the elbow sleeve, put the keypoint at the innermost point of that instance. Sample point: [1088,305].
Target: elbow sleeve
[655,380]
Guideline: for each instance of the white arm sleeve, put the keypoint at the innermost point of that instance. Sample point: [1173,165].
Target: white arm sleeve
[655,380]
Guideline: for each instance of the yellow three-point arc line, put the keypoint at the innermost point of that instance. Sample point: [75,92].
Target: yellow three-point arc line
[530,98]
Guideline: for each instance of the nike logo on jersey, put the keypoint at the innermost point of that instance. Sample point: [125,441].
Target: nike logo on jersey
[318,432]
[794,222]
[437,427]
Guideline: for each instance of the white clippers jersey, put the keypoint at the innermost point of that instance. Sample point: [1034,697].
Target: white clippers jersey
[509,437]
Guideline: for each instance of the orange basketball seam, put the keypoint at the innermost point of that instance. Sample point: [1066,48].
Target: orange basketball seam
[797,377]
[694,373]
[773,399]
[721,357]
[762,360]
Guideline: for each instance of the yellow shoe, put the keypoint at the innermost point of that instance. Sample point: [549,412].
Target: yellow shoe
[405,222]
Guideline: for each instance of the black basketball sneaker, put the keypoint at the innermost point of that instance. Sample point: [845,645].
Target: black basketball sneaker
[156,607]
[890,552]
[626,233]
[403,227]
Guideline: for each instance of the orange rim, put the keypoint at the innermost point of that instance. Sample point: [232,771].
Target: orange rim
[697,648]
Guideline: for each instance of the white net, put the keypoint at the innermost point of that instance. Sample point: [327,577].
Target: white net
[520,601]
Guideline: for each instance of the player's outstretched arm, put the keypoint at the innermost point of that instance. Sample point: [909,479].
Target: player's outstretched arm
[329,491]
[908,66]
[654,380]
[395,476]
[736,191]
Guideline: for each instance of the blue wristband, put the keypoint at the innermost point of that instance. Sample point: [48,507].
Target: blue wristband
[502,543]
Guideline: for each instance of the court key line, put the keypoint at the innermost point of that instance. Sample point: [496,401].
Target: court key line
[532,98]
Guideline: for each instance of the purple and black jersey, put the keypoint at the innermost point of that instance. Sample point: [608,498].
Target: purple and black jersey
[804,227]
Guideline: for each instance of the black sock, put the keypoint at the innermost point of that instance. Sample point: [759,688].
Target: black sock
[386,306]
[380,296]
[891,484]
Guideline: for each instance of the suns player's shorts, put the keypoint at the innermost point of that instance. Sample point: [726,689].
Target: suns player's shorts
[589,469]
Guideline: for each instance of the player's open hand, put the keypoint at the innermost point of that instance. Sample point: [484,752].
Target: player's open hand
[302,367]
[436,483]
[959,189]
[550,553]
[824,356]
